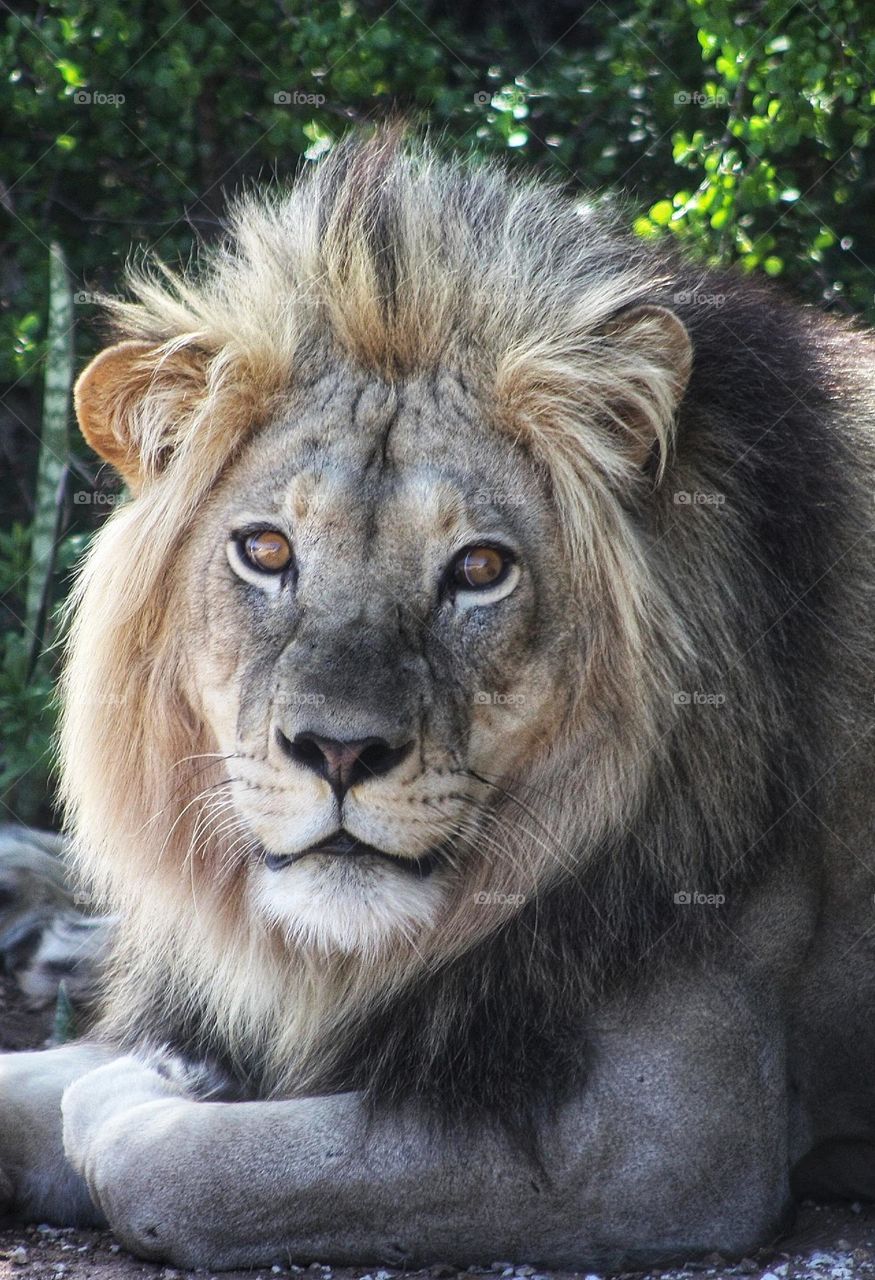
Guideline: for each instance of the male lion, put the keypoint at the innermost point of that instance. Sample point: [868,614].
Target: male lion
[469,719]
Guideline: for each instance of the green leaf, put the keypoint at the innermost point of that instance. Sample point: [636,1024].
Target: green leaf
[64,1025]
[644,228]
[661,212]
[72,74]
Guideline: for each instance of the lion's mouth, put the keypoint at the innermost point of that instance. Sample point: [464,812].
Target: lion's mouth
[343,845]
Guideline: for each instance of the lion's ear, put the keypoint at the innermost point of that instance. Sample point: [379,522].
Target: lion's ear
[655,354]
[130,401]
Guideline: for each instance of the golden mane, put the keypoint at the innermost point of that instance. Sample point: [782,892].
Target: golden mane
[391,259]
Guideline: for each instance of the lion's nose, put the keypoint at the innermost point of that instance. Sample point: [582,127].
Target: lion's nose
[343,763]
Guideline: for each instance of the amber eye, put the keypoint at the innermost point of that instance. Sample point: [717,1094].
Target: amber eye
[267,551]
[477,568]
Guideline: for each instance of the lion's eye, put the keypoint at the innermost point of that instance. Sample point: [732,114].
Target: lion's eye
[267,551]
[477,568]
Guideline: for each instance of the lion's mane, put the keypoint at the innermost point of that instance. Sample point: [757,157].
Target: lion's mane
[402,262]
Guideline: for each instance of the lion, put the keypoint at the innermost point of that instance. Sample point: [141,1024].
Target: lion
[468,720]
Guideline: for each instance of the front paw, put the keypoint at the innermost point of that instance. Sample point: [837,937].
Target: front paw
[102,1097]
[122,1127]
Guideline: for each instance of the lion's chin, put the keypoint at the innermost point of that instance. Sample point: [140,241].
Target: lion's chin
[345,905]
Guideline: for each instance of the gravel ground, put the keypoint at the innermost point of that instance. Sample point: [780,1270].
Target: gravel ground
[827,1242]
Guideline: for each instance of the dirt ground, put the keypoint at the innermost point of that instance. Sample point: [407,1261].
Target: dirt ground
[827,1242]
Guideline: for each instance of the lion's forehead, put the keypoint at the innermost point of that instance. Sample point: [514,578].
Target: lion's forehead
[353,456]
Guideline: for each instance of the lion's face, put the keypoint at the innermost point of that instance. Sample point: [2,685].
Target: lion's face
[378,603]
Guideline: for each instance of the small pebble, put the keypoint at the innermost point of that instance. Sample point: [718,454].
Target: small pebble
[115,1248]
[18,1257]
[524,1271]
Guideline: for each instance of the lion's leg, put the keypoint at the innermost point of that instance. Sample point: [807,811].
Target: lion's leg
[678,1145]
[37,1183]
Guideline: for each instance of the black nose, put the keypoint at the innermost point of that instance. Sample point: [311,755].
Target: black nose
[343,764]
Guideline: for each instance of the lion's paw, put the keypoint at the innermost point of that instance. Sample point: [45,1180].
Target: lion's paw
[92,1102]
[199,1079]
[101,1097]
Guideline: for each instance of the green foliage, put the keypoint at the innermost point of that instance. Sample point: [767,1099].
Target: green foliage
[27,705]
[751,121]
[741,128]
[29,560]
[785,186]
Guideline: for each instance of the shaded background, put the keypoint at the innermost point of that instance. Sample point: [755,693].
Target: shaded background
[741,129]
